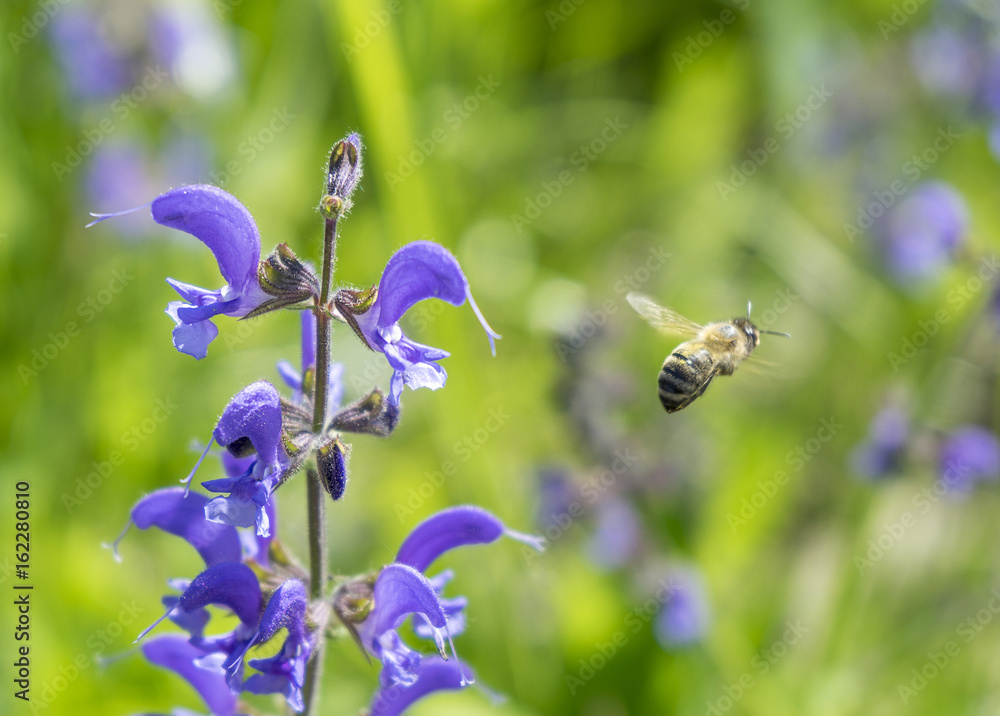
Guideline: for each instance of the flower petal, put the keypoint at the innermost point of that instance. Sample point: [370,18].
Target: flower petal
[184,517]
[433,674]
[419,270]
[254,413]
[454,527]
[285,609]
[173,652]
[400,590]
[230,584]
[217,219]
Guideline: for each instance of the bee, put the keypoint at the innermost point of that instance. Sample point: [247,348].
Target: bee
[716,349]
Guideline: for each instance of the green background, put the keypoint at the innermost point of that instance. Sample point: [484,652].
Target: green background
[563,74]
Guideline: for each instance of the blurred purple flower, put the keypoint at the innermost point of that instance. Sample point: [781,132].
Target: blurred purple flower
[968,455]
[617,536]
[684,616]
[556,494]
[94,67]
[923,232]
[882,452]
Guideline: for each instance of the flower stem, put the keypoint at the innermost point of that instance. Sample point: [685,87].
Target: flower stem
[316,496]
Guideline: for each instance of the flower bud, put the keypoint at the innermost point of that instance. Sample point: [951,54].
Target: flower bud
[286,278]
[331,461]
[372,414]
[343,176]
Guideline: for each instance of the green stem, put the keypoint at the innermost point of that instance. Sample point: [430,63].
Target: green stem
[316,495]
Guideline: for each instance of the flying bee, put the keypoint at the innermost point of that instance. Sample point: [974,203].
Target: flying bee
[715,349]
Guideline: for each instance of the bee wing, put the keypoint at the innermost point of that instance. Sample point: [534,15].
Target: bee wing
[662,319]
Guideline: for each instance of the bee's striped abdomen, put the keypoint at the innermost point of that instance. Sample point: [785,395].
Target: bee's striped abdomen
[685,375]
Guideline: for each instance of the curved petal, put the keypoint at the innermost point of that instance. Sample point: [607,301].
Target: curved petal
[419,270]
[285,609]
[230,584]
[184,517]
[433,674]
[217,219]
[173,652]
[254,413]
[454,527]
[400,591]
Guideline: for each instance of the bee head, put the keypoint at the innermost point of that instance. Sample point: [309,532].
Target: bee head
[749,330]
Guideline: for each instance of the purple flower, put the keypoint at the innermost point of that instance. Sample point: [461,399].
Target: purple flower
[683,618]
[432,674]
[401,589]
[284,673]
[924,230]
[418,271]
[181,513]
[250,424]
[176,653]
[617,536]
[221,222]
[94,67]
[969,454]
[882,453]
[227,584]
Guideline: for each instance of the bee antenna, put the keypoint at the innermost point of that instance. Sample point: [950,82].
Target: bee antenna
[749,306]
[776,333]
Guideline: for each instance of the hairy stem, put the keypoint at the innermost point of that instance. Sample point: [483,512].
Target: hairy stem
[315,493]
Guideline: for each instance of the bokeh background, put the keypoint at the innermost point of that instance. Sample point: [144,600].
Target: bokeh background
[824,521]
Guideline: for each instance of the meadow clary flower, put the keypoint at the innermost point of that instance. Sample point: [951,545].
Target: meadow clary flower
[683,618]
[968,455]
[221,222]
[924,230]
[617,537]
[285,672]
[177,653]
[432,674]
[882,453]
[250,424]
[418,271]
[402,589]
[182,513]
[227,584]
